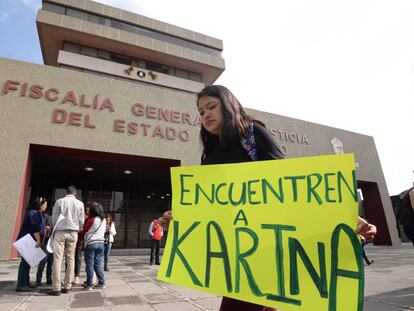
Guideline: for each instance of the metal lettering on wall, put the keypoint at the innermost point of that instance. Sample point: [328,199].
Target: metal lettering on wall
[80,119]
[138,110]
[284,136]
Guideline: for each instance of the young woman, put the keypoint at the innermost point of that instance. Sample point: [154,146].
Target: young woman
[229,135]
[94,231]
[35,225]
[110,232]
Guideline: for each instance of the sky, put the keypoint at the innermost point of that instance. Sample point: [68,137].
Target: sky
[348,64]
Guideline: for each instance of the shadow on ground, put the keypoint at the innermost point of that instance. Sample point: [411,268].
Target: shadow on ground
[401,299]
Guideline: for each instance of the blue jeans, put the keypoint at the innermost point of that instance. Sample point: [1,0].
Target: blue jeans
[23,274]
[93,260]
[107,250]
[49,261]
[78,261]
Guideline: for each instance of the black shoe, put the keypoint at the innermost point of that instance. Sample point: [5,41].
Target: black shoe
[49,282]
[65,290]
[106,269]
[53,293]
[24,289]
[151,263]
[157,263]
[31,285]
[370,262]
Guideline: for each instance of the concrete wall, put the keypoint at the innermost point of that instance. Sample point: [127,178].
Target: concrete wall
[139,20]
[25,120]
[115,69]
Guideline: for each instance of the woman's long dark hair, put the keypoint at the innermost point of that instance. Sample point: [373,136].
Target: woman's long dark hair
[36,203]
[236,120]
[110,219]
[95,209]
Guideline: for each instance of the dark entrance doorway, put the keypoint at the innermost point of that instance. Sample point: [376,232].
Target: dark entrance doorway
[373,210]
[133,189]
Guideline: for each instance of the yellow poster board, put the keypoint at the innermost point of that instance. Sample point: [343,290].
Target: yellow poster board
[278,233]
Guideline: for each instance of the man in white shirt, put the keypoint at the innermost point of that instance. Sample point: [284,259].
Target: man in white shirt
[65,238]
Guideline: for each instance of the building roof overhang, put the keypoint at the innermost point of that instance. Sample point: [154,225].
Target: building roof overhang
[55,29]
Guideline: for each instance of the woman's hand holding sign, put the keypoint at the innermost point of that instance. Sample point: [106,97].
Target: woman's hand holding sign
[367,230]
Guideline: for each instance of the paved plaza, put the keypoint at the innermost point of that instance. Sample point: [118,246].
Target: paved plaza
[131,285]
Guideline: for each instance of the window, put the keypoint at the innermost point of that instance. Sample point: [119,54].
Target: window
[195,76]
[121,59]
[96,19]
[71,47]
[116,24]
[135,62]
[181,73]
[127,27]
[157,67]
[104,54]
[77,14]
[54,8]
[88,51]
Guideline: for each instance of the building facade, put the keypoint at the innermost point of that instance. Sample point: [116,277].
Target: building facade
[113,108]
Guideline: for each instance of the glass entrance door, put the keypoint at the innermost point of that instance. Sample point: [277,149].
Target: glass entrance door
[132,204]
[133,189]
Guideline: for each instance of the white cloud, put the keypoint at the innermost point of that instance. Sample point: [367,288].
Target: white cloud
[4,17]
[33,4]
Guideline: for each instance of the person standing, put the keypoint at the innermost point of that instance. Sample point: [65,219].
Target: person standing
[110,232]
[33,224]
[94,231]
[156,232]
[48,260]
[79,248]
[406,217]
[229,135]
[65,237]
[364,254]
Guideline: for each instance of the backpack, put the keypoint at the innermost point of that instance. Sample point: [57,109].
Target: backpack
[404,211]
